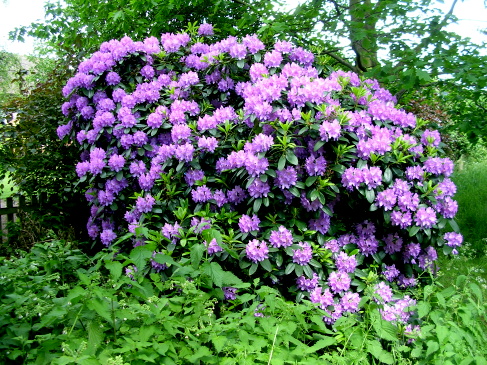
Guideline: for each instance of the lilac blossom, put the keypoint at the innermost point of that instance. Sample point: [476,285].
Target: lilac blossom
[305,284]
[213,247]
[248,224]
[339,281]
[425,217]
[257,251]
[345,263]
[302,255]
[286,178]
[281,238]
[229,293]
[453,239]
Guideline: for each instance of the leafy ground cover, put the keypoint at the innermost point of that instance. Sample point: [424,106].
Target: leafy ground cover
[58,306]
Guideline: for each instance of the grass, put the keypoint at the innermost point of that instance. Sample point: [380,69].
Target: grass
[472,204]
[7,187]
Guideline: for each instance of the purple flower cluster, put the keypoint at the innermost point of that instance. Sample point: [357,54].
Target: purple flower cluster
[303,255]
[234,130]
[257,250]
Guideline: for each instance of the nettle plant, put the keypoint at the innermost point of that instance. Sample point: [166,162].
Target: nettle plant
[246,155]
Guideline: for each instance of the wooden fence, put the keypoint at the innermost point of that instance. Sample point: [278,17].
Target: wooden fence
[11,207]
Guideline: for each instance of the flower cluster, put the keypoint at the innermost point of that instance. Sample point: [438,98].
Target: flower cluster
[263,160]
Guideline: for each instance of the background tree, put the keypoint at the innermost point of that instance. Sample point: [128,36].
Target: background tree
[405,45]
[80,26]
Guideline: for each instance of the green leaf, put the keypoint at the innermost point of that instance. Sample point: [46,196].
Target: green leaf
[327,341]
[282,163]
[257,204]
[196,255]
[384,329]
[140,255]
[423,309]
[370,195]
[375,348]
[240,63]
[413,230]
[310,180]
[423,75]
[454,225]
[442,333]
[219,342]
[388,176]
[115,268]
[266,264]
[293,190]
[289,268]
[209,234]
[215,272]
[291,157]
[433,346]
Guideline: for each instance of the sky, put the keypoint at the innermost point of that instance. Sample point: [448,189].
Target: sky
[14,13]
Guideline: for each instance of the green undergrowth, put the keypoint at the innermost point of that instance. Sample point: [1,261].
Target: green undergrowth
[58,306]
[472,203]
[7,187]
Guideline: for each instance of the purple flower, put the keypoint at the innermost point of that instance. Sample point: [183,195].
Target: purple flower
[286,178]
[112,78]
[229,293]
[339,281]
[391,272]
[305,284]
[116,162]
[350,302]
[107,236]
[345,263]
[315,166]
[384,292]
[303,255]
[414,173]
[322,224]
[185,152]
[281,238]
[393,243]
[258,189]
[401,219]
[386,199]
[202,194]
[205,29]
[425,217]
[273,59]
[323,298]
[144,205]
[431,138]
[208,144]
[257,251]
[155,265]
[192,176]
[248,224]
[453,239]
[330,130]
[213,247]
[236,195]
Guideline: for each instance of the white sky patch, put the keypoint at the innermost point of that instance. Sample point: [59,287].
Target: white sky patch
[472,16]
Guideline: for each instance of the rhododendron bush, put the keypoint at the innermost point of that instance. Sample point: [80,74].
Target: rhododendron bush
[255,159]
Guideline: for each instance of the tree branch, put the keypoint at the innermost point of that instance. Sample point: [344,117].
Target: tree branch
[425,41]
[342,61]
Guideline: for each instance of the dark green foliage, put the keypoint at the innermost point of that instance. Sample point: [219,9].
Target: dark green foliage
[31,151]
[59,307]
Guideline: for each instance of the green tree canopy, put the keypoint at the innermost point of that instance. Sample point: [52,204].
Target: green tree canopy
[82,25]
